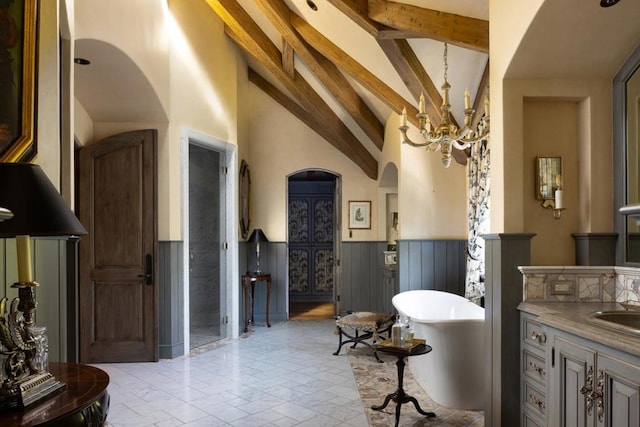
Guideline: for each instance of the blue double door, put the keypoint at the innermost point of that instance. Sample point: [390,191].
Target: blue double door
[311,240]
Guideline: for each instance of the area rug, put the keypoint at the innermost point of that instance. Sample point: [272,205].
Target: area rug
[377,380]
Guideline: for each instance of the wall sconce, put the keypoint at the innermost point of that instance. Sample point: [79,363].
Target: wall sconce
[549,184]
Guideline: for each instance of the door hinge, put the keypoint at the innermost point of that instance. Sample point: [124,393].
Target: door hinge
[553,357]
[225,246]
[225,320]
[225,170]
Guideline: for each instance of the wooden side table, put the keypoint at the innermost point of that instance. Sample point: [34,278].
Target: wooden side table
[415,348]
[83,402]
[249,280]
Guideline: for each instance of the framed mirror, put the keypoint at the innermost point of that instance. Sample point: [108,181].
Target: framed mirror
[548,177]
[626,148]
[245,211]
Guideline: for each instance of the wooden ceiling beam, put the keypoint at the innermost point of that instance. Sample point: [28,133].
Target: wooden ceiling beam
[247,34]
[470,33]
[288,58]
[280,16]
[359,73]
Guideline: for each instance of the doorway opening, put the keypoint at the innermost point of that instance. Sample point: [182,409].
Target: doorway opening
[210,249]
[205,182]
[313,229]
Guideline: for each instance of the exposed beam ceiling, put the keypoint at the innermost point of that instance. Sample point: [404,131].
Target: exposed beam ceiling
[390,24]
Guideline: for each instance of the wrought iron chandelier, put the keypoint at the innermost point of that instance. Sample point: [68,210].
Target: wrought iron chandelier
[446,135]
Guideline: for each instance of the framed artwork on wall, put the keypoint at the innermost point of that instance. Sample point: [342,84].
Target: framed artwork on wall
[359,214]
[17,80]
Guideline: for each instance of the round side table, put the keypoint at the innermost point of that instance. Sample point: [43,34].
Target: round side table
[415,348]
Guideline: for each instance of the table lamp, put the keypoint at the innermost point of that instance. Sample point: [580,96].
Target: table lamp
[256,237]
[29,206]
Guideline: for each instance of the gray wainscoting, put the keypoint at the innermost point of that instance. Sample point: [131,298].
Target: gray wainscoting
[170,299]
[432,264]
[422,264]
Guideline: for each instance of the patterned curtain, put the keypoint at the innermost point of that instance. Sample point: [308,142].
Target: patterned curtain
[478,219]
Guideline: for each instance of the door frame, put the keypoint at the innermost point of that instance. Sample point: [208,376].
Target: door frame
[229,257]
[337,236]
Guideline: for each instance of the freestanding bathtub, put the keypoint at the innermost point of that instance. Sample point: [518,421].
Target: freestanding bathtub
[452,374]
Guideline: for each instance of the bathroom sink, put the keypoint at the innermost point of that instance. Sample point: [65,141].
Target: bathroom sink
[625,320]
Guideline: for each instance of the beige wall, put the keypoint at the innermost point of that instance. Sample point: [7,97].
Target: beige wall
[432,199]
[509,21]
[518,129]
[281,145]
[197,85]
[553,244]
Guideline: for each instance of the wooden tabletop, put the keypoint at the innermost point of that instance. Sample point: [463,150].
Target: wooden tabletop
[83,402]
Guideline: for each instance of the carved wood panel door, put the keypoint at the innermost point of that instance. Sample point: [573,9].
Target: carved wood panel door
[311,231]
[118,293]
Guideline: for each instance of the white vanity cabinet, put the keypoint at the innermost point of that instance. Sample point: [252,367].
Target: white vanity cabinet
[584,383]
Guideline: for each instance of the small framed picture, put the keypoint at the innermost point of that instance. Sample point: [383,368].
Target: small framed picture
[360,214]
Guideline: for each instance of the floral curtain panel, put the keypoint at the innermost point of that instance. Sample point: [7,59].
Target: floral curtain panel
[478,219]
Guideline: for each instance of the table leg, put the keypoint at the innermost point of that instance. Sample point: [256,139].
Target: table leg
[245,291]
[253,295]
[400,397]
[268,298]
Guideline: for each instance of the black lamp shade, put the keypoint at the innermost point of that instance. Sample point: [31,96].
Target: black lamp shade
[257,236]
[36,205]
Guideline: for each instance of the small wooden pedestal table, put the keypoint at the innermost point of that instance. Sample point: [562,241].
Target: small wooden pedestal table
[415,348]
[250,280]
[83,402]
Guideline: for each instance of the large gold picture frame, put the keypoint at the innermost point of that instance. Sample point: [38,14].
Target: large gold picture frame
[18,23]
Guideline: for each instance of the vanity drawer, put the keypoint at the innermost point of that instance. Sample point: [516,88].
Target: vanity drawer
[534,366]
[534,400]
[533,333]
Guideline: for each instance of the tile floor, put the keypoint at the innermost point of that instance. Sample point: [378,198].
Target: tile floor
[285,375]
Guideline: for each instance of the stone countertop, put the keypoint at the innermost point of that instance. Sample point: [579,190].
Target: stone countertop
[575,318]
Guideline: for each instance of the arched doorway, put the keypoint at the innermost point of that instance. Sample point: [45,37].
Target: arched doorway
[313,238]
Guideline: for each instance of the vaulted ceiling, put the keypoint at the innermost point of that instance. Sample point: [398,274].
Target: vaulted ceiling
[342,66]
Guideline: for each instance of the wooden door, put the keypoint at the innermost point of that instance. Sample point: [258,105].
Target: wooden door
[311,231]
[118,292]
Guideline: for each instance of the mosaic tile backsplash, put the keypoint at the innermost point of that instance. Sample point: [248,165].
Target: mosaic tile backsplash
[580,284]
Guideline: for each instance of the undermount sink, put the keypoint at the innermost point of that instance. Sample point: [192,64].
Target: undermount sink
[625,320]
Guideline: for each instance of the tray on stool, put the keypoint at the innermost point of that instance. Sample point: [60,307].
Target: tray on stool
[361,326]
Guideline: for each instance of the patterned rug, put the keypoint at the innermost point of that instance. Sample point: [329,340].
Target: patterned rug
[377,380]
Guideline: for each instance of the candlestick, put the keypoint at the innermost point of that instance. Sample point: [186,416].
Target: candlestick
[467,99]
[404,116]
[23,244]
[559,201]
[422,106]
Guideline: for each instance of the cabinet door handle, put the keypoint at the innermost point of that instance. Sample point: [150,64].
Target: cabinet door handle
[599,395]
[587,390]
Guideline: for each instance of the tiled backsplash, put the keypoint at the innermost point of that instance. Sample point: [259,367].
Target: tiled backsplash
[580,284]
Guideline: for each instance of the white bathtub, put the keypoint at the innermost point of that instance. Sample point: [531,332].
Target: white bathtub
[452,374]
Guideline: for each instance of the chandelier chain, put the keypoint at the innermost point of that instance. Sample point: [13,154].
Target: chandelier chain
[446,65]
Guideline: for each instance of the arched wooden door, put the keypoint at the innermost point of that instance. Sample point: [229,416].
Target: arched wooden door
[118,292]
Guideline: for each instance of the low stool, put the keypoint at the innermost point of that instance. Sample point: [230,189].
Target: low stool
[360,326]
